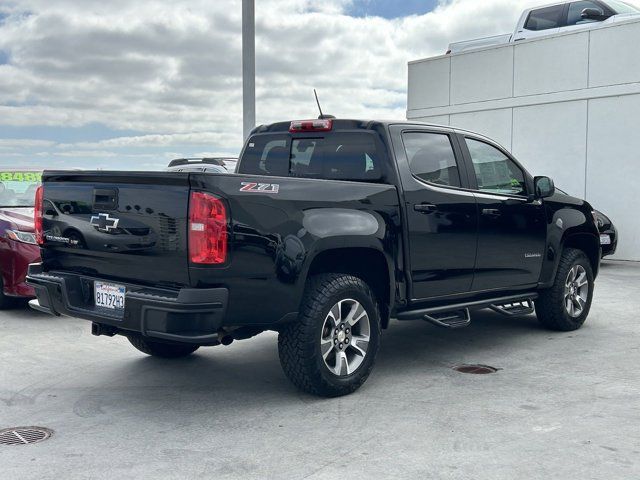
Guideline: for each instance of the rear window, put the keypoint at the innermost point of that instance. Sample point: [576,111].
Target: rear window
[338,156]
[431,158]
[545,18]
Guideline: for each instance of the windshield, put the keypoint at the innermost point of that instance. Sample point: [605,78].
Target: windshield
[622,7]
[18,188]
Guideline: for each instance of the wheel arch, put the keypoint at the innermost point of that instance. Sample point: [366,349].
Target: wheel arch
[587,243]
[369,264]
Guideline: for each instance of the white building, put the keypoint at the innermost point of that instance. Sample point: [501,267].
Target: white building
[567,106]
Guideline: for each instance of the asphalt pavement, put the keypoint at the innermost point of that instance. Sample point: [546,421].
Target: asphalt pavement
[561,405]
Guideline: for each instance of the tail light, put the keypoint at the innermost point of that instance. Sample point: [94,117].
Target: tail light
[321,125]
[38,214]
[207,229]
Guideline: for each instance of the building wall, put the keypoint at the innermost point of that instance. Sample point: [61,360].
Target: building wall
[567,106]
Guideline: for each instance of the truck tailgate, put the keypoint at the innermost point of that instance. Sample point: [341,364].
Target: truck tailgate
[120,225]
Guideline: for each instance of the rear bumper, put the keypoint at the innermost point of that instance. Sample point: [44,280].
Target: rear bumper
[181,315]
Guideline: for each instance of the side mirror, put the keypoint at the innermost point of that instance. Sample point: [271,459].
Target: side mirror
[544,187]
[593,14]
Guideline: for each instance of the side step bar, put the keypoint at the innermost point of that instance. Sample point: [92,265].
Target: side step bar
[453,319]
[458,315]
[524,307]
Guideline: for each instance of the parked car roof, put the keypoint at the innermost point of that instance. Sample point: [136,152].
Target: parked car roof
[209,164]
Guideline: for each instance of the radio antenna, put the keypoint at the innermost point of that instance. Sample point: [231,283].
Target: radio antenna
[318,102]
[322,115]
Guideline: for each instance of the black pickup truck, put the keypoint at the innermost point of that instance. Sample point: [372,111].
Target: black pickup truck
[327,230]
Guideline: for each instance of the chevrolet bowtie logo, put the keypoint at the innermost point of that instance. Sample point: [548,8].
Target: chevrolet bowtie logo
[104,222]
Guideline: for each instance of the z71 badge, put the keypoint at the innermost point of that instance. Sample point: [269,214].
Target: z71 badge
[254,187]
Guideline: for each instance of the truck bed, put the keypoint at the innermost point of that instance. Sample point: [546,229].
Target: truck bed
[132,228]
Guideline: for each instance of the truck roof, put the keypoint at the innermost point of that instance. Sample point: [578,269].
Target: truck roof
[349,124]
[553,4]
[338,124]
[355,124]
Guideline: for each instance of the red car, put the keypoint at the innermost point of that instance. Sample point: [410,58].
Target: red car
[18,246]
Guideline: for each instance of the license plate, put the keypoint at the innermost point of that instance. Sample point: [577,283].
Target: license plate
[605,240]
[109,295]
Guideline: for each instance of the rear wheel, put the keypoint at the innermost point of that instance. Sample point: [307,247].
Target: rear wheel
[331,349]
[565,306]
[159,349]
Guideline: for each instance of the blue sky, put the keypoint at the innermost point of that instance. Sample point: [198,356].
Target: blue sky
[92,132]
[391,8]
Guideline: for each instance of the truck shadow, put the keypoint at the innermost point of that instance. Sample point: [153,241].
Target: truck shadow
[247,375]
[429,346]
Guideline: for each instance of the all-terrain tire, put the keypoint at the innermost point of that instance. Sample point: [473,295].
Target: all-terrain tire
[163,350]
[551,306]
[299,343]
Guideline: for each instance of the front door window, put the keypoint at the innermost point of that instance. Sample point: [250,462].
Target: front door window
[495,172]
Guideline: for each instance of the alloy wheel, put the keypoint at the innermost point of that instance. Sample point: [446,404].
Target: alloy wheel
[576,291]
[345,337]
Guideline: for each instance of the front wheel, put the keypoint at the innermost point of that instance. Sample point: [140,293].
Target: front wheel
[565,306]
[163,350]
[330,350]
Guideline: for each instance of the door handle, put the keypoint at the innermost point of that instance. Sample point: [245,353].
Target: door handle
[425,208]
[491,212]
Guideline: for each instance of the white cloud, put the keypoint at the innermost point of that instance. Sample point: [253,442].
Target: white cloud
[172,69]
[199,138]
[86,154]
[12,143]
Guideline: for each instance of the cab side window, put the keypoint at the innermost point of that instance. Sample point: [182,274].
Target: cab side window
[431,158]
[495,172]
[574,16]
[545,18]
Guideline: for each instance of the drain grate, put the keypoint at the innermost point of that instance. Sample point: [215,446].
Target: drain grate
[475,369]
[24,435]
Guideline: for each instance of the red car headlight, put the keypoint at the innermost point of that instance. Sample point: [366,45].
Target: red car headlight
[22,237]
